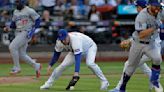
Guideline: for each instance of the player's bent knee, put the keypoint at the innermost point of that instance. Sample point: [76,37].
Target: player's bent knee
[61,67]
[157,61]
[23,57]
[91,65]
[126,63]
[12,47]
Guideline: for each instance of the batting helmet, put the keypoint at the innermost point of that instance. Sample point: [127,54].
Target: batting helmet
[155,2]
[142,3]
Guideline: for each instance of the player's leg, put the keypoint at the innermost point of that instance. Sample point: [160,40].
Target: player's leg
[90,61]
[23,56]
[121,80]
[68,61]
[144,67]
[14,51]
[135,55]
[155,55]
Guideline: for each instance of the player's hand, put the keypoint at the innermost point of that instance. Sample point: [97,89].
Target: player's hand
[49,70]
[6,29]
[125,44]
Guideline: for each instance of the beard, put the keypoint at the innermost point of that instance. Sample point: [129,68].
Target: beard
[155,11]
[20,7]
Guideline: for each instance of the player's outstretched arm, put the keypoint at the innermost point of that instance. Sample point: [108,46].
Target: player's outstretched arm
[54,59]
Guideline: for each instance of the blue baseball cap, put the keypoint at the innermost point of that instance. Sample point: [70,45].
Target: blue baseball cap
[155,2]
[142,3]
[62,34]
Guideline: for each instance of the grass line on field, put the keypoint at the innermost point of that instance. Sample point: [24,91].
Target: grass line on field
[84,75]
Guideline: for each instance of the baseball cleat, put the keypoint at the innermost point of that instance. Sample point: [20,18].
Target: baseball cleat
[45,86]
[38,70]
[158,88]
[116,90]
[14,72]
[71,88]
[104,85]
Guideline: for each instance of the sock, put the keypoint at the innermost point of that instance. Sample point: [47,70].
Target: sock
[155,75]
[125,80]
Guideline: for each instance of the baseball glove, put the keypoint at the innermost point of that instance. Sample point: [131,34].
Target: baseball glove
[125,44]
[73,82]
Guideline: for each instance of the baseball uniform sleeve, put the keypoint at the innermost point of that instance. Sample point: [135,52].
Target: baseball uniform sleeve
[140,22]
[33,14]
[76,46]
[13,24]
[54,58]
[77,62]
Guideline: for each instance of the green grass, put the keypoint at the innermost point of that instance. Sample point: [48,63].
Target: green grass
[87,83]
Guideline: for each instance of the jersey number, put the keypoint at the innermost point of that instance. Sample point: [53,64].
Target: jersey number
[24,21]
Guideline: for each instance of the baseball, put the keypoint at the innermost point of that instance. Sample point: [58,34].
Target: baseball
[72,88]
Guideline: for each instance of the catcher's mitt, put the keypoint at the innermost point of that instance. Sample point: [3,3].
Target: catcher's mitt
[125,44]
[72,82]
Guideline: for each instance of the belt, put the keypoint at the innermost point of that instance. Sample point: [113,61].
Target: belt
[143,42]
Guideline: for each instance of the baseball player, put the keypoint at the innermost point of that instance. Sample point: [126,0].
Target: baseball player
[146,25]
[25,20]
[140,4]
[161,16]
[77,44]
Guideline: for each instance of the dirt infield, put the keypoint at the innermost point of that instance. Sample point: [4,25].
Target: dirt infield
[44,57]
[46,60]
[17,79]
